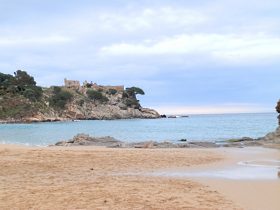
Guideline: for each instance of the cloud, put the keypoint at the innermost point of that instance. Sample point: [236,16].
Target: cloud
[19,41]
[222,46]
[151,18]
[190,52]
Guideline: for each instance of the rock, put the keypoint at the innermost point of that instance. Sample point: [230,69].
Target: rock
[203,144]
[86,140]
[240,140]
[273,136]
[278,110]
[166,144]
[278,107]
[144,145]
[80,107]
[61,143]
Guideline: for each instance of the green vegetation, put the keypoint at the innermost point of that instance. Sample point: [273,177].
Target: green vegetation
[6,81]
[131,102]
[60,98]
[81,102]
[96,95]
[21,99]
[112,91]
[23,79]
[20,84]
[15,110]
[18,95]
[130,97]
[134,91]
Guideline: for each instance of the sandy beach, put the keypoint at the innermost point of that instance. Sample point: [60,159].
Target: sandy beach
[103,178]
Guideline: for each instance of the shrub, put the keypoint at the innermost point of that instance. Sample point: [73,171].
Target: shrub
[81,102]
[24,79]
[56,89]
[88,85]
[132,103]
[125,95]
[112,91]
[6,80]
[30,94]
[96,95]
[33,93]
[60,98]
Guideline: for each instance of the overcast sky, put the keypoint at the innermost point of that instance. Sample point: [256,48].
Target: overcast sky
[188,56]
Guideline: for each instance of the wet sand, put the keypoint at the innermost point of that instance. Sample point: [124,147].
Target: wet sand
[102,178]
[258,193]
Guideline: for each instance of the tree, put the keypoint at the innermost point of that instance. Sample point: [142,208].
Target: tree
[6,80]
[134,91]
[24,79]
[112,91]
[131,102]
[33,93]
[96,95]
[60,98]
[21,83]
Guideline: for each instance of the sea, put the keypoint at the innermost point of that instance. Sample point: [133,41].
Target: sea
[212,127]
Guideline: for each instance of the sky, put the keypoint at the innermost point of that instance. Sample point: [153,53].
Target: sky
[218,56]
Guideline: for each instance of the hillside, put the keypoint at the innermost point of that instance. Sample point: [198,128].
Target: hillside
[21,100]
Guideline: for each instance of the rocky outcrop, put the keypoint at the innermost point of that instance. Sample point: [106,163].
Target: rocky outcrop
[81,107]
[278,107]
[107,141]
[92,112]
[86,140]
[278,110]
[274,137]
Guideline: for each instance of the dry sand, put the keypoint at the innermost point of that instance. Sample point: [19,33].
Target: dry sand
[101,178]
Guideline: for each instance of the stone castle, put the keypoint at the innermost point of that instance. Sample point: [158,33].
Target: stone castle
[76,85]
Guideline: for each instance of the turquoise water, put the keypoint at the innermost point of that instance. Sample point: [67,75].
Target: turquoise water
[196,128]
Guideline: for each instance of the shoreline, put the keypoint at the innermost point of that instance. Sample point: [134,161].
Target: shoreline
[65,120]
[47,120]
[86,177]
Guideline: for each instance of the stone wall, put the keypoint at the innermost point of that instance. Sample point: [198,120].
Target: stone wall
[71,83]
[107,87]
[76,84]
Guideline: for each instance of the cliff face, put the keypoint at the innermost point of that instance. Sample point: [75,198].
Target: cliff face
[278,110]
[80,107]
[22,101]
[274,137]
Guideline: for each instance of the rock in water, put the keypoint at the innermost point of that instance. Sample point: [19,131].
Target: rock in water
[86,140]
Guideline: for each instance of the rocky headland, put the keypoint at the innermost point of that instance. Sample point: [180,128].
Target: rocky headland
[22,101]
